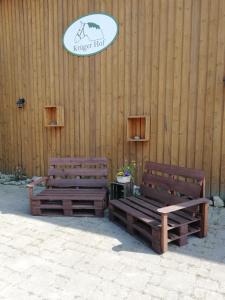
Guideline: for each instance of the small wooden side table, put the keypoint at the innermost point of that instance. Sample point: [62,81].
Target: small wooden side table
[120,190]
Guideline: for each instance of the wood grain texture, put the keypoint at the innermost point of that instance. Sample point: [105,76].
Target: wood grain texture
[168,63]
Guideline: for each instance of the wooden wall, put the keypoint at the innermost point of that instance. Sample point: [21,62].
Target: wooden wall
[168,63]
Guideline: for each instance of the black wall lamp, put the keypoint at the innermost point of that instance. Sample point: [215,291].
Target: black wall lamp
[20,102]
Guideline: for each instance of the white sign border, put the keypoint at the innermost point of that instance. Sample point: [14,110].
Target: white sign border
[77,19]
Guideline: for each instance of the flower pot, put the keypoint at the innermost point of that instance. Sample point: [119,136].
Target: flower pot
[123,179]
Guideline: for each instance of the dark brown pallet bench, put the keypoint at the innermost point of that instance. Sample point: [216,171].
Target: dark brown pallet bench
[74,187]
[171,206]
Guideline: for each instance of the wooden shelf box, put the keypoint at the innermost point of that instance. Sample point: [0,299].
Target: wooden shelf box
[54,116]
[138,128]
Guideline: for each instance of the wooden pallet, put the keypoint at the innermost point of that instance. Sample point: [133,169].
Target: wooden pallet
[140,216]
[69,202]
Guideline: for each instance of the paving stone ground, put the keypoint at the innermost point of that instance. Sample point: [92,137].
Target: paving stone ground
[57,258]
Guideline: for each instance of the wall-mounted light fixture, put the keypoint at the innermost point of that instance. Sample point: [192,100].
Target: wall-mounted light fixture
[20,102]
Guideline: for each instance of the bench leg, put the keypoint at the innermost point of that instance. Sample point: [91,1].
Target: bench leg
[182,230]
[130,221]
[111,216]
[35,207]
[36,211]
[99,208]
[156,241]
[67,208]
[99,213]
[204,220]
[68,212]
[164,232]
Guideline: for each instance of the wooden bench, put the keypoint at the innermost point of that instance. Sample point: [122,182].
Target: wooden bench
[171,206]
[75,187]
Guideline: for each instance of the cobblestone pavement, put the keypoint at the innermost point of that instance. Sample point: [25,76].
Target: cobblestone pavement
[87,258]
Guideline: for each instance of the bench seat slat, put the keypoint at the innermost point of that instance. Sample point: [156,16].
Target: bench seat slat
[59,194]
[74,190]
[55,206]
[71,197]
[151,211]
[178,213]
[139,215]
[173,220]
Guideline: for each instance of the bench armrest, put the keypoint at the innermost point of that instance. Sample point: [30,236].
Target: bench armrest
[31,185]
[172,208]
[36,182]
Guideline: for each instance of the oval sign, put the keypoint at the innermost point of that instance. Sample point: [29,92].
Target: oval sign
[90,34]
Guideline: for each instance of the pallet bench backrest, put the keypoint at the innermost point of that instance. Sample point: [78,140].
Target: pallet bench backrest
[77,172]
[172,184]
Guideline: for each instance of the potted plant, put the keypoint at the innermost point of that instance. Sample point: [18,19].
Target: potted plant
[126,173]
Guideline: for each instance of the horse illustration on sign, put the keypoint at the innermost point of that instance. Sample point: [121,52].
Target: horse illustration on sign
[90,34]
[90,30]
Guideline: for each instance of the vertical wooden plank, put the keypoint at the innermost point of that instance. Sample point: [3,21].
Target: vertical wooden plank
[222,162]
[26,155]
[140,85]
[72,113]
[121,117]
[44,92]
[109,99]
[4,72]
[52,100]
[185,78]
[177,82]
[218,102]
[98,96]
[75,93]
[202,78]
[36,153]
[127,75]
[147,73]
[114,104]
[91,99]
[47,97]
[83,91]
[103,96]
[40,85]
[16,84]
[211,71]
[62,98]
[18,15]
[2,92]
[56,43]
[192,103]
[162,78]
[10,127]
[134,70]
[169,82]
[155,78]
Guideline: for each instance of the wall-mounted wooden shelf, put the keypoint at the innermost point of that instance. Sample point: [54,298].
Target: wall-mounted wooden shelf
[138,128]
[54,116]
